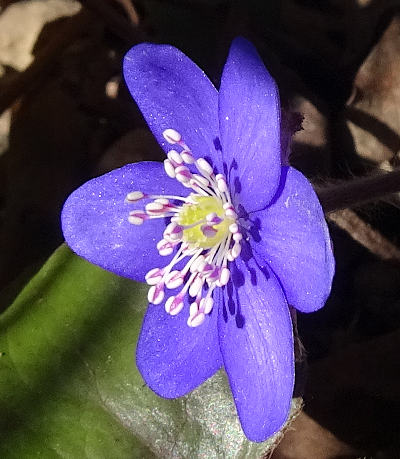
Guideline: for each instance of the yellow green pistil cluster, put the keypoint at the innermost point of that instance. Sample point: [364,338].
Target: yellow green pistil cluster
[191,214]
[203,228]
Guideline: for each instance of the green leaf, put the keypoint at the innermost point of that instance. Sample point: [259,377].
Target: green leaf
[69,386]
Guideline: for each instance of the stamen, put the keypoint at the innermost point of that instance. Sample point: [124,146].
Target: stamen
[224,277]
[135,196]
[204,167]
[174,279]
[214,219]
[196,286]
[174,305]
[234,252]
[173,232]
[172,136]
[169,168]
[165,248]
[196,316]
[230,211]
[221,182]
[187,157]
[165,197]
[196,263]
[209,231]
[201,181]
[175,157]
[206,304]
[137,217]
[154,207]
[203,229]
[156,293]
[154,276]
[183,174]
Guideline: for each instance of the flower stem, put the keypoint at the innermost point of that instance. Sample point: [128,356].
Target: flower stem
[358,191]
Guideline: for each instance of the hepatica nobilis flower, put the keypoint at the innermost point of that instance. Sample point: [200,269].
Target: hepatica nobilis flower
[224,232]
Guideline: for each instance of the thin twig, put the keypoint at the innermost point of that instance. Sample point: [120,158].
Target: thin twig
[358,191]
[130,11]
[363,233]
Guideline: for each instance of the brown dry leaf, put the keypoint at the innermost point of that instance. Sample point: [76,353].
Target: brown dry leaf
[21,24]
[51,129]
[351,404]
[374,112]
[307,439]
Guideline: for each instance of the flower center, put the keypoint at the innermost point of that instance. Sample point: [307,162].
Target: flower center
[203,230]
[197,233]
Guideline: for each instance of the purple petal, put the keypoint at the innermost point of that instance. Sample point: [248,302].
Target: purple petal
[172,92]
[292,236]
[249,117]
[256,340]
[95,220]
[174,358]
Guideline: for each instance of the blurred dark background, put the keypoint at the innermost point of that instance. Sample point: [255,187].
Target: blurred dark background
[66,116]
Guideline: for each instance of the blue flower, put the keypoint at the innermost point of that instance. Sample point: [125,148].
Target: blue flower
[224,233]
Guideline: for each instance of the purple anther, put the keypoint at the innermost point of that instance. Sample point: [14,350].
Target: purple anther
[137,217]
[163,201]
[187,157]
[174,305]
[173,232]
[206,305]
[235,250]
[155,294]
[177,229]
[194,307]
[169,168]
[196,285]
[195,186]
[135,196]
[165,247]
[175,158]
[196,263]
[224,277]
[154,276]
[186,250]
[230,213]
[183,174]
[172,136]
[196,320]
[213,218]
[214,276]
[174,279]
[208,231]
[237,237]
[207,269]
[204,166]
[154,208]
[221,183]
[233,228]
[202,180]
